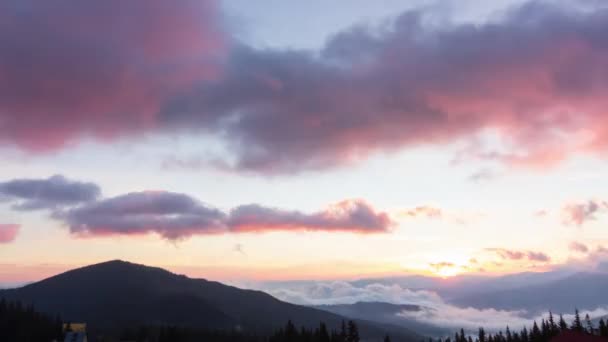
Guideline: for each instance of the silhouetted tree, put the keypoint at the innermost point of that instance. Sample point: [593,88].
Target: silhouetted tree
[26,324]
[577,324]
[563,326]
[353,332]
[481,336]
[553,329]
[524,335]
[603,328]
[590,328]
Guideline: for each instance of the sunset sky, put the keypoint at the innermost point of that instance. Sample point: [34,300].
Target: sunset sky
[278,139]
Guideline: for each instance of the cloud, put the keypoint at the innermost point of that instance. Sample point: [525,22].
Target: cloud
[587,258]
[507,254]
[579,213]
[78,69]
[470,319]
[172,215]
[354,215]
[341,292]
[426,211]
[8,232]
[430,212]
[56,191]
[535,77]
[433,309]
[178,216]
[482,176]
[578,247]
[532,77]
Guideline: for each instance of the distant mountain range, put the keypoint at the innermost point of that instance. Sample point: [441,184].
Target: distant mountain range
[385,313]
[581,290]
[560,291]
[115,294]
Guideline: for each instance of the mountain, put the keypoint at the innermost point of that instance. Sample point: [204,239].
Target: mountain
[581,290]
[468,285]
[381,312]
[115,294]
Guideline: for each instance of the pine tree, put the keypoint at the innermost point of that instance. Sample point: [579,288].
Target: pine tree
[353,332]
[590,328]
[563,326]
[524,335]
[544,329]
[323,333]
[291,333]
[535,334]
[482,335]
[603,329]
[576,324]
[343,334]
[553,329]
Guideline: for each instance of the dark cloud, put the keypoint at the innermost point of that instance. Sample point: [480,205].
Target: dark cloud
[8,232]
[355,216]
[56,191]
[171,215]
[74,69]
[579,213]
[533,77]
[507,254]
[177,216]
[537,77]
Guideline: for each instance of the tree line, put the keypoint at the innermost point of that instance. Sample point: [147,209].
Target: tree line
[348,332]
[24,324]
[545,332]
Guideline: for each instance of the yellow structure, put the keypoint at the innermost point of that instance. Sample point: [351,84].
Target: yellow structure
[76,327]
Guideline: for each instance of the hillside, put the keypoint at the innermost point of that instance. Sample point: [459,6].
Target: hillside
[381,312]
[114,294]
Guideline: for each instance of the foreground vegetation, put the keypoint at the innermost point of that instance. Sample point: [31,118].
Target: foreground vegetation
[545,332]
[24,324]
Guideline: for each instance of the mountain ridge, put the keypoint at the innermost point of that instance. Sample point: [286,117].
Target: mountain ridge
[115,293]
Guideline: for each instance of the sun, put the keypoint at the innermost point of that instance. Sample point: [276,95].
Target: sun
[449,266]
[447,271]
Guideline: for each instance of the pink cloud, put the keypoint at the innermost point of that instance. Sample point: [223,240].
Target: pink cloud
[348,216]
[537,77]
[176,216]
[579,213]
[8,232]
[74,69]
[578,247]
[516,255]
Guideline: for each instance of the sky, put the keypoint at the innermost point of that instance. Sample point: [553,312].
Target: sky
[280,140]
